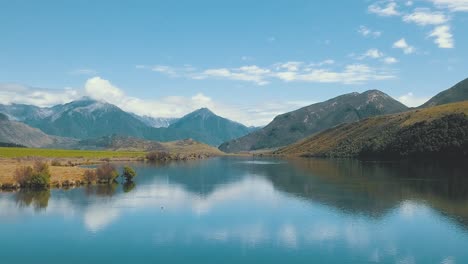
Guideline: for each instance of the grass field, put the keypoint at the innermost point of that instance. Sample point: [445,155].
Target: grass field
[65,153]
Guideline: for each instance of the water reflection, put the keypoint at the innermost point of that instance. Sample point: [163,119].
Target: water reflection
[36,198]
[128,186]
[377,211]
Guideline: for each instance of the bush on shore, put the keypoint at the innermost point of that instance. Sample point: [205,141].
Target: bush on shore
[37,176]
[106,173]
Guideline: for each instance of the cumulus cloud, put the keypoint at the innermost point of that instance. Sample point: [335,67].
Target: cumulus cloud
[384,9]
[411,100]
[442,37]
[20,94]
[452,5]
[403,45]
[367,32]
[170,106]
[423,17]
[177,106]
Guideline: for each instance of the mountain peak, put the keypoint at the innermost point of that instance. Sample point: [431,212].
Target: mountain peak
[202,112]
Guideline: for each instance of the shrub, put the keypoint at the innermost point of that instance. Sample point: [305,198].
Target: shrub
[56,162]
[106,173]
[128,174]
[158,156]
[23,175]
[37,176]
[90,176]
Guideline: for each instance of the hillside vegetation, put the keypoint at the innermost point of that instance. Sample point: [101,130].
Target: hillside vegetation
[436,131]
[457,93]
[293,126]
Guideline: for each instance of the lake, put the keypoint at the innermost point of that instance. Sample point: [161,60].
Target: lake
[246,210]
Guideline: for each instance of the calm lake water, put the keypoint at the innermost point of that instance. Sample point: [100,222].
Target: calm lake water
[239,210]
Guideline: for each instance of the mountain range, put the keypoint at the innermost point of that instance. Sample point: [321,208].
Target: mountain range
[88,119]
[290,127]
[438,131]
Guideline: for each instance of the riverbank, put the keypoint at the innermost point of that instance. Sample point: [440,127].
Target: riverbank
[66,166]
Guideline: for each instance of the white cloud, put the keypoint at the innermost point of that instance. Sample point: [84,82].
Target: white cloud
[367,32]
[452,5]
[390,9]
[372,53]
[351,74]
[291,65]
[411,100]
[409,3]
[177,106]
[390,60]
[401,44]
[442,37]
[170,106]
[319,72]
[251,73]
[14,93]
[423,17]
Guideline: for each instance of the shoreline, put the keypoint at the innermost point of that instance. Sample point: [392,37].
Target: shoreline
[69,172]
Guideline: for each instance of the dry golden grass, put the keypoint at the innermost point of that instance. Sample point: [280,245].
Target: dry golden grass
[431,113]
[58,173]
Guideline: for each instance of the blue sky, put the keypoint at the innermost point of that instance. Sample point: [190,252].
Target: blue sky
[247,60]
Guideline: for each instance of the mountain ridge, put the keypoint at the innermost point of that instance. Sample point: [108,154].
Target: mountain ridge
[434,131]
[295,125]
[456,93]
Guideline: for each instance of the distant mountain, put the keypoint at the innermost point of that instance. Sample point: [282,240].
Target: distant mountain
[201,125]
[293,126]
[21,134]
[25,113]
[84,118]
[156,122]
[439,131]
[457,93]
[88,119]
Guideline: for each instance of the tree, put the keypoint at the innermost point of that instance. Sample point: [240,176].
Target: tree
[128,174]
